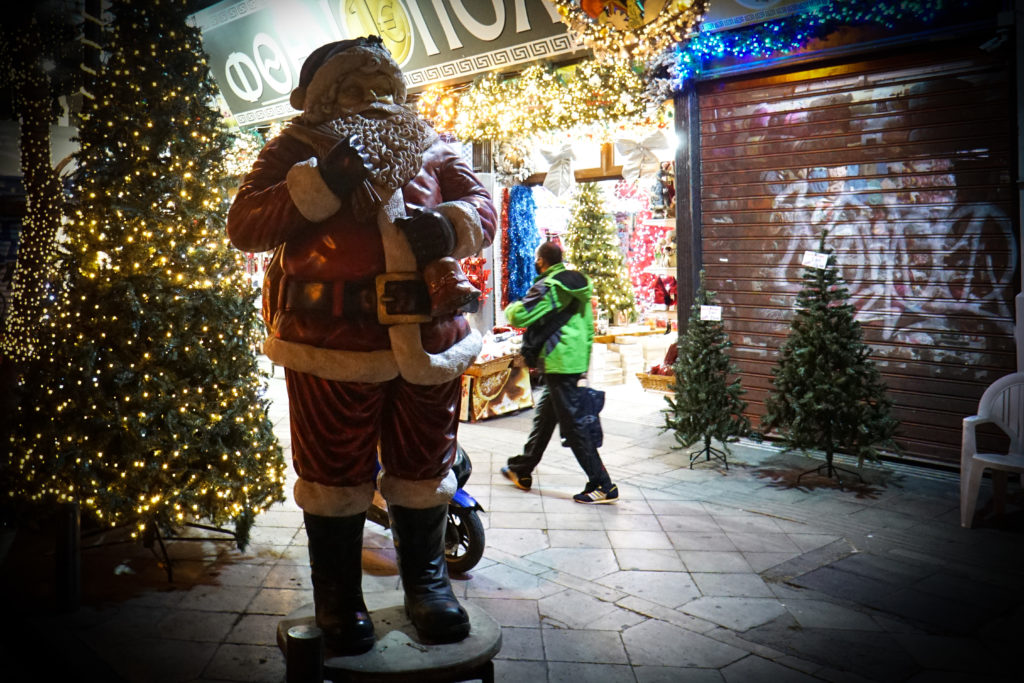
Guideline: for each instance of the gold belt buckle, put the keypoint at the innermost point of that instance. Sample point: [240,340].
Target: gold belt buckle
[383,316]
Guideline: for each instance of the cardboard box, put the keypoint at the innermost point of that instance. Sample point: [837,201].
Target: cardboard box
[494,388]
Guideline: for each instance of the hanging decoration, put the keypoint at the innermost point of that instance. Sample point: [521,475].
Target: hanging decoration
[641,157]
[560,178]
[473,267]
[504,248]
[523,240]
[629,29]
[511,162]
[673,69]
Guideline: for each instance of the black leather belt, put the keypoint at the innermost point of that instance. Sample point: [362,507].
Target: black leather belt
[392,298]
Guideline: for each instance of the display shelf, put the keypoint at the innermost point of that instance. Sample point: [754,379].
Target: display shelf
[663,222]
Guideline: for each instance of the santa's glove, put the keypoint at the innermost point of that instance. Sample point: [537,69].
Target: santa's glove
[345,167]
[430,235]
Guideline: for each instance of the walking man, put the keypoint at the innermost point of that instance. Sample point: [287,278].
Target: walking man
[564,357]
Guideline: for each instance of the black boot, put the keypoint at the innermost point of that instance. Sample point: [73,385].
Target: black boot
[429,600]
[336,560]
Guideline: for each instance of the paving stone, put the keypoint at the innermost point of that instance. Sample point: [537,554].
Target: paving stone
[754,669]
[510,612]
[651,560]
[653,540]
[587,563]
[583,646]
[517,541]
[517,671]
[873,655]
[700,540]
[670,589]
[255,629]
[675,674]
[500,581]
[845,585]
[563,672]
[572,538]
[249,663]
[738,614]
[521,643]
[883,568]
[195,625]
[657,643]
[821,614]
[714,561]
[573,609]
[731,585]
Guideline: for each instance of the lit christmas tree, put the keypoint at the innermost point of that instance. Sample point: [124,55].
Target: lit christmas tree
[705,405]
[828,394]
[38,64]
[149,410]
[592,242]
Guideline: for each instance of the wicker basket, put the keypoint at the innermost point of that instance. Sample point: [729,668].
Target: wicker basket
[655,382]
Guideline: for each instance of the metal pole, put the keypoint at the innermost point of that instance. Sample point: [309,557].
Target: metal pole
[68,557]
[305,654]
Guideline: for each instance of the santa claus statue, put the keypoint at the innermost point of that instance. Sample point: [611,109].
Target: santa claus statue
[367,211]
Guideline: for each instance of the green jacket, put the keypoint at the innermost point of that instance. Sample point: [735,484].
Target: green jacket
[568,350]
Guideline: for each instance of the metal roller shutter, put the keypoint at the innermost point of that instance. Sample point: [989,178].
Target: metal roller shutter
[907,161]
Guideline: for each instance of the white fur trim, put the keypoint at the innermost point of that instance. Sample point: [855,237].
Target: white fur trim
[334,364]
[469,234]
[312,197]
[419,367]
[418,494]
[332,501]
[398,256]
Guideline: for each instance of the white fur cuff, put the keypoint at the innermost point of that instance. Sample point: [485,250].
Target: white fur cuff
[469,234]
[312,197]
[334,364]
[418,494]
[419,367]
[332,501]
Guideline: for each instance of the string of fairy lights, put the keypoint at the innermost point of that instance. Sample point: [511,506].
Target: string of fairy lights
[22,336]
[629,29]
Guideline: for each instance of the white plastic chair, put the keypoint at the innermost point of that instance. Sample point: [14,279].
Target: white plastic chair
[1002,404]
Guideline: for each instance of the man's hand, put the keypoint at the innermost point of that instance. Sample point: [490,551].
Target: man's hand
[345,166]
[430,235]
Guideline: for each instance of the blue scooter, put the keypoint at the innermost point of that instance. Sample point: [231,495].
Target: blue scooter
[464,534]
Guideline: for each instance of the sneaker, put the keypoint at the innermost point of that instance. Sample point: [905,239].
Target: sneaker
[598,495]
[521,481]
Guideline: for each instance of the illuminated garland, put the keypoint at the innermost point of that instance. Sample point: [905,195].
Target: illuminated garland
[543,98]
[630,29]
[439,106]
[784,36]
[523,240]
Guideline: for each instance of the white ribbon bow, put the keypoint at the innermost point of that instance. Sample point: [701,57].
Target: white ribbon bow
[560,177]
[640,157]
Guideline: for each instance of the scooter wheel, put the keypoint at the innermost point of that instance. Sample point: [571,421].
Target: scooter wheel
[464,539]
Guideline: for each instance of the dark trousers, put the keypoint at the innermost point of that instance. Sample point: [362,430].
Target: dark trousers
[560,404]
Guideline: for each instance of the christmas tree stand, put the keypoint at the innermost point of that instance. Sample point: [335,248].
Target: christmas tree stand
[398,656]
[709,452]
[830,469]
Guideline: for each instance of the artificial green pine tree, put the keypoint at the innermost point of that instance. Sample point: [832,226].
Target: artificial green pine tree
[705,405]
[828,395]
[149,410]
[593,248]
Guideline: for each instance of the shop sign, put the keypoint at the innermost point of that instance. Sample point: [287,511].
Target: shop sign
[256,47]
[723,15]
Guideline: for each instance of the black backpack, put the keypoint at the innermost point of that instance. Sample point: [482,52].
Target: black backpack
[539,332]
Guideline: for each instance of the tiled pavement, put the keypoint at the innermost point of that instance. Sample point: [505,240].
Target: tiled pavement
[701,575]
